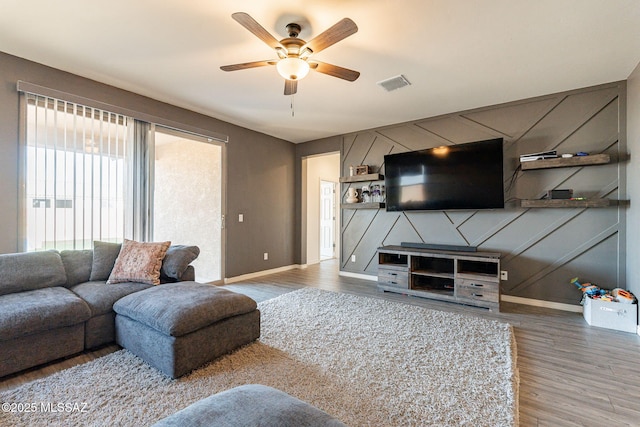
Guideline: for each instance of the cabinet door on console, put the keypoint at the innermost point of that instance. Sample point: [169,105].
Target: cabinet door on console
[477,290]
[393,277]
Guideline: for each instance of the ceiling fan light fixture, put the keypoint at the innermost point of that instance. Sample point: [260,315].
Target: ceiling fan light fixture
[293,68]
[281,52]
[305,53]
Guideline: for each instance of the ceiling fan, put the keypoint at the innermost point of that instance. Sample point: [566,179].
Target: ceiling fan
[294,54]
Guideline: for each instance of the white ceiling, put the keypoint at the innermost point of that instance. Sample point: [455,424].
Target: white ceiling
[457,54]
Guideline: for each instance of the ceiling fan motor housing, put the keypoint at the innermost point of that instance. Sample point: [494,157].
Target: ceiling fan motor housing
[293,45]
[293,29]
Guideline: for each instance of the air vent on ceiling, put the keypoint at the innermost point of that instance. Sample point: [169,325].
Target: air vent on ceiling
[394,83]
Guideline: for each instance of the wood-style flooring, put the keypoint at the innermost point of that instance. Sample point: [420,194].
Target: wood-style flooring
[571,374]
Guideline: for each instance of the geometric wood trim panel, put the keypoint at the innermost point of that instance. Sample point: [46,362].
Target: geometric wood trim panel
[541,248]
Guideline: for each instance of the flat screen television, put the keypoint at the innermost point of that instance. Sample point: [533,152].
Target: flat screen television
[461,176]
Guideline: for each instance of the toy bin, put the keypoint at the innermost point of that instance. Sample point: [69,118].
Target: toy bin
[611,315]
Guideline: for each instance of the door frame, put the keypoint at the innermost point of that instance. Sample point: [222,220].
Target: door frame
[223,187]
[310,176]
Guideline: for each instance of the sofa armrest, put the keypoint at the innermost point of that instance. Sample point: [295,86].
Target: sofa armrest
[189,274]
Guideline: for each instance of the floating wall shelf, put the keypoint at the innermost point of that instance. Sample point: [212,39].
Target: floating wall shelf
[567,203]
[575,161]
[373,205]
[362,178]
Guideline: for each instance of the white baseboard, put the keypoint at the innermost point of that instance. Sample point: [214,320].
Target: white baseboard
[250,276]
[359,276]
[505,298]
[541,303]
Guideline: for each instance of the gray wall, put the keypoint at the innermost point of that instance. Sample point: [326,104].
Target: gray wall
[260,168]
[542,248]
[633,182]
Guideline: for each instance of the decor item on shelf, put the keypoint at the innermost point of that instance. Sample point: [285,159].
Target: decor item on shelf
[538,156]
[560,194]
[376,193]
[366,195]
[352,195]
[362,170]
[351,170]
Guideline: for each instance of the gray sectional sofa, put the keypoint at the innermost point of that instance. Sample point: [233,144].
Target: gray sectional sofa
[55,304]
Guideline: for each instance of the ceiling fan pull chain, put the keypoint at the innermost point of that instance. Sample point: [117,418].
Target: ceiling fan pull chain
[293,111]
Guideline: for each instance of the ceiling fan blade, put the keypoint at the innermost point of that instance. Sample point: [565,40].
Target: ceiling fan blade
[290,87]
[335,71]
[258,30]
[245,65]
[339,31]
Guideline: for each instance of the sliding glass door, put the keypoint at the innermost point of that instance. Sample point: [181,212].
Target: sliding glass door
[89,174]
[188,197]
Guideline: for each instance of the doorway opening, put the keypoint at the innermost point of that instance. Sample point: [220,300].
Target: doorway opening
[322,203]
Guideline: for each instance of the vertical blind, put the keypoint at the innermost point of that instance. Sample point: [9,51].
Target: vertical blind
[75,172]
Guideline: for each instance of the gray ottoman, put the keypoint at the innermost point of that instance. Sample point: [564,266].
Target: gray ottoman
[250,405]
[179,327]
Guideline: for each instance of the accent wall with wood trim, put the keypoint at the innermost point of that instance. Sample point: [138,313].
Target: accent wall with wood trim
[542,248]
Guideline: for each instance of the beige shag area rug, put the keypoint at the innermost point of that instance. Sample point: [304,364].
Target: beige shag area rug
[367,361]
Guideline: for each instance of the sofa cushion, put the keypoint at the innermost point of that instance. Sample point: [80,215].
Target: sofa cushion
[250,405]
[177,260]
[104,257]
[77,265]
[180,308]
[139,262]
[27,271]
[40,310]
[100,297]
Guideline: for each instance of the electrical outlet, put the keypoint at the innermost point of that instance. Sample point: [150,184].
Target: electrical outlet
[240,217]
[504,275]
[266,256]
[353,258]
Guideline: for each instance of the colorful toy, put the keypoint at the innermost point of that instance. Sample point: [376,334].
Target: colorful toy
[592,291]
[588,288]
[622,295]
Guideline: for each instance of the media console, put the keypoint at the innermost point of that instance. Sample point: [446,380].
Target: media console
[471,278]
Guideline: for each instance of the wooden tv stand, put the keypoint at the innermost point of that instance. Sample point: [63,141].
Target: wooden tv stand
[471,278]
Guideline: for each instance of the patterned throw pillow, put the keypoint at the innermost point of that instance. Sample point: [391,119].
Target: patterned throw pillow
[139,262]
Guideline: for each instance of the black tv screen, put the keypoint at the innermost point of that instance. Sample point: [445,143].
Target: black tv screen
[462,176]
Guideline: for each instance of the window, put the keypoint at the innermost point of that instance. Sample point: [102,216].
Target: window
[88,171]
[75,175]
